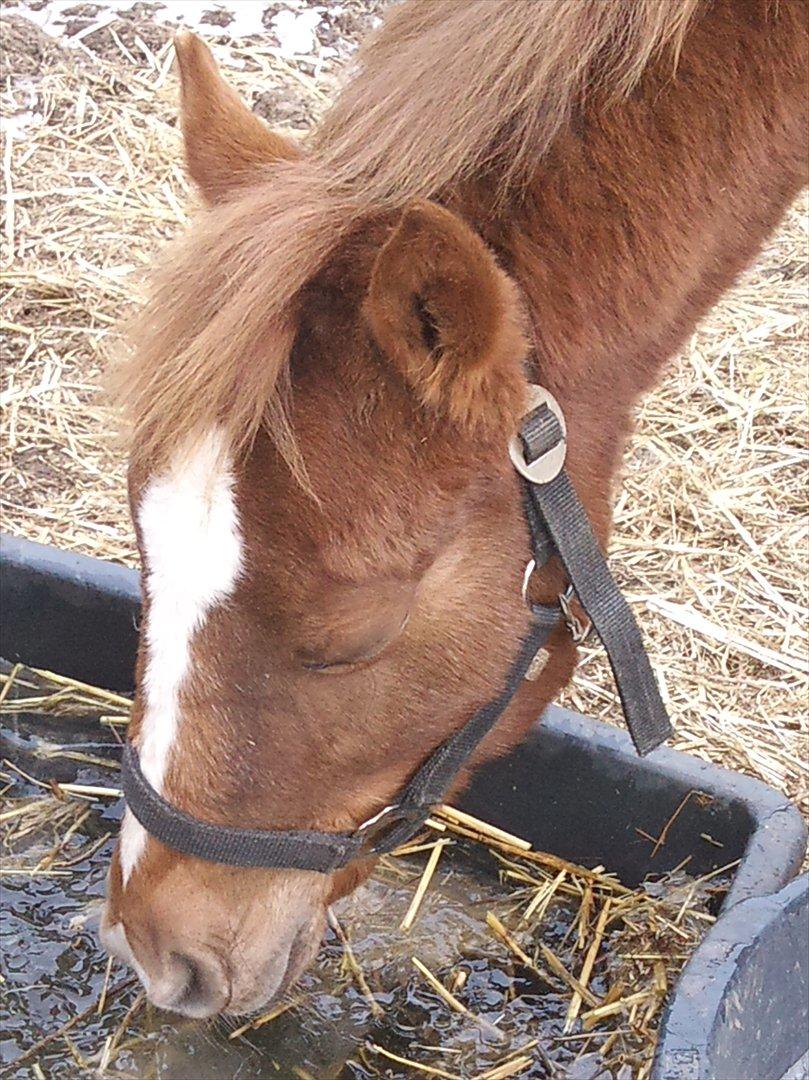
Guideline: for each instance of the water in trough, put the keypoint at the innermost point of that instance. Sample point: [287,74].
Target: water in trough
[57,1017]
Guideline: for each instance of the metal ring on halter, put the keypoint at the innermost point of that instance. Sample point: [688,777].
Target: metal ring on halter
[579,630]
[548,465]
[381,832]
[530,567]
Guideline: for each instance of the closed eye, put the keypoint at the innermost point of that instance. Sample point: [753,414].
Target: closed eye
[338,667]
[328,665]
[341,665]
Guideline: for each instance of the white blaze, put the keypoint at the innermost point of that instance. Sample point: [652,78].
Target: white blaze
[192,548]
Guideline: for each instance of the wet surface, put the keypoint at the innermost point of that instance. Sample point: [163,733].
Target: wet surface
[54,970]
[56,854]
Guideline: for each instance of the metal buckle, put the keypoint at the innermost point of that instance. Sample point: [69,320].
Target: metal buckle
[548,465]
[579,630]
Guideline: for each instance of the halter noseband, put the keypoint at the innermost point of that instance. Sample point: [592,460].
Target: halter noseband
[558,525]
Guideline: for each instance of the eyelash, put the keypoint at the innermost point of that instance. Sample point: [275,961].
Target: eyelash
[334,665]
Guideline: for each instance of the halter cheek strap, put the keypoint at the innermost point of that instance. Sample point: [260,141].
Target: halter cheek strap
[558,525]
[565,522]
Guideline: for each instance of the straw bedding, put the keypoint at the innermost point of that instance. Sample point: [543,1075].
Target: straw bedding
[711,531]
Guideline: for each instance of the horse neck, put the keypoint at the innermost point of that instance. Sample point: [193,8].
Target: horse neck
[644,214]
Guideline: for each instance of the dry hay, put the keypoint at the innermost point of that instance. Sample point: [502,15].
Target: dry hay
[710,541]
[711,531]
[617,951]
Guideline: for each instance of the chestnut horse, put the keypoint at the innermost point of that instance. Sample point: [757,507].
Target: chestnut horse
[323,384]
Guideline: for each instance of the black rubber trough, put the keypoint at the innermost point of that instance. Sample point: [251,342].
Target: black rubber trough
[740,1010]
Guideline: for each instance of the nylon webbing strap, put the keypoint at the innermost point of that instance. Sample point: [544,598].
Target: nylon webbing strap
[558,524]
[429,785]
[301,849]
[567,524]
[298,849]
[431,782]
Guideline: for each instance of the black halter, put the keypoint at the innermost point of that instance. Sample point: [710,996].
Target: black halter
[558,525]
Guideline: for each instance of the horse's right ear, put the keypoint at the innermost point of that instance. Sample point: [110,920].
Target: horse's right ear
[450,320]
[226,145]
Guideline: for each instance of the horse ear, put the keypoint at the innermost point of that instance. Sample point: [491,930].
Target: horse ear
[225,144]
[442,310]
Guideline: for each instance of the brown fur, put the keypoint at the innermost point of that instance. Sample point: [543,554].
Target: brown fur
[513,70]
[226,146]
[511,74]
[399,330]
[434,268]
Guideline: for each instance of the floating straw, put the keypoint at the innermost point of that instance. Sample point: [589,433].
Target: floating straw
[102,997]
[587,966]
[417,1066]
[500,931]
[94,692]
[601,1012]
[509,1068]
[353,965]
[412,912]
[266,1018]
[453,1002]
[542,898]
[9,682]
[453,817]
[556,965]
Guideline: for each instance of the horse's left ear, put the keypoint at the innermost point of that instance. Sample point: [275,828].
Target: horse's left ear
[449,318]
[226,145]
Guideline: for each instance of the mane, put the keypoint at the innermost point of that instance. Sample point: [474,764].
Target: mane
[445,89]
[210,347]
[441,92]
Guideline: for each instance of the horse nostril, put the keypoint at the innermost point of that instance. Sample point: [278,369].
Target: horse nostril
[194,986]
[190,986]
